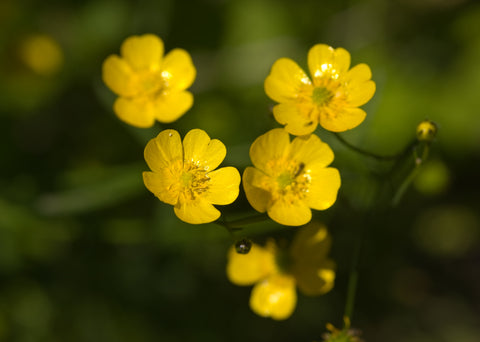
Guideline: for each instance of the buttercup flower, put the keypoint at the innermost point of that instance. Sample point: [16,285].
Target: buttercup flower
[276,274]
[289,178]
[184,175]
[150,87]
[331,96]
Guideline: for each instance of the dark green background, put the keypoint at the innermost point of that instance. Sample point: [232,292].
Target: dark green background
[88,254]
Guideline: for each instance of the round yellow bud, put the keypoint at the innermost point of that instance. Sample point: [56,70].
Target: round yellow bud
[426,131]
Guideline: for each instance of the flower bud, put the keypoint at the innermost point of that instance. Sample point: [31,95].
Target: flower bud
[243,246]
[426,131]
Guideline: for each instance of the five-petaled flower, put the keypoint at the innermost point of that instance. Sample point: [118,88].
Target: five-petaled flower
[275,274]
[331,96]
[184,175]
[289,178]
[150,86]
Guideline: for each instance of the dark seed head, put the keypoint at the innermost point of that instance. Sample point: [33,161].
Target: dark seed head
[243,246]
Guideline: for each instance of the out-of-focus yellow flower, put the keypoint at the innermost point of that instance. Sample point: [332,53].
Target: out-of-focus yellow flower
[289,178]
[184,175]
[331,96]
[42,54]
[150,86]
[275,274]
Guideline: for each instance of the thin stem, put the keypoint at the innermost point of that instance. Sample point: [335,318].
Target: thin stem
[411,176]
[236,225]
[351,291]
[374,155]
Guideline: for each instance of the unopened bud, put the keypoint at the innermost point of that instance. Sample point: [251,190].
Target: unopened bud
[243,246]
[426,131]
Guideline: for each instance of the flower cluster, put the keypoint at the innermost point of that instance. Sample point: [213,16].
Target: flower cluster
[288,179]
[275,274]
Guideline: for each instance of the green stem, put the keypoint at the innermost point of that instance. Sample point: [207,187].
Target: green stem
[238,224]
[351,291]
[374,155]
[411,176]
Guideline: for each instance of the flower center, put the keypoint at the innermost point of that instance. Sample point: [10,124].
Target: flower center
[321,96]
[194,181]
[292,180]
[151,83]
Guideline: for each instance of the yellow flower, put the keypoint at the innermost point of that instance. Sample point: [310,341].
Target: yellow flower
[184,175]
[426,131]
[276,274]
[42,54]
[150,86]
[289,178]
[331,96]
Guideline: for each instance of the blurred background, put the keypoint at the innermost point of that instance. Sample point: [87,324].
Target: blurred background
[88,254]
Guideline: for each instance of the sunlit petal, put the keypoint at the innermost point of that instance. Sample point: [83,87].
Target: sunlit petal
[196,212]
[164,150]
[136,111]
[345,119]
[285,81]
[274,144]
[257,197]
[143,52]
[223,186]
[119,76]
[290,212]
[170,106]
[323,189]
[162,185]
[178,71]
[274,297]
[299,118]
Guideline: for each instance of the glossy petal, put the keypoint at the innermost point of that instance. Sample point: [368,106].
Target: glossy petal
[311,151]
[297,117]
[195,212]
[285,81]
[162,185]
[199,149]
[136,111]
[223,186]
[257,197]
[143,52]
[170,106]
[273,145]
[119,76]
[323,189]
[274,297]
[347,119]
[314,280]
[324,60]
[247,269]
[290,212]
[178,71]
[164,150]
[311,243]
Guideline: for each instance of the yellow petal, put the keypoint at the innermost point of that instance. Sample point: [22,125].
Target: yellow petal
[285,81]
[223,187]
[311,243]
[203,152]
[311,151]
[360,88]
[195,212]
[170,106]
[136,112]
[143,52]
[119,76]
[247,269]
[178,71]
[359,94]
[297,117]
[290,212]
[323,189]
[164,150]
[162,184]
[274,297]
[323,61]
[344,120]
[314,280]
[257,197]
[273,145]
